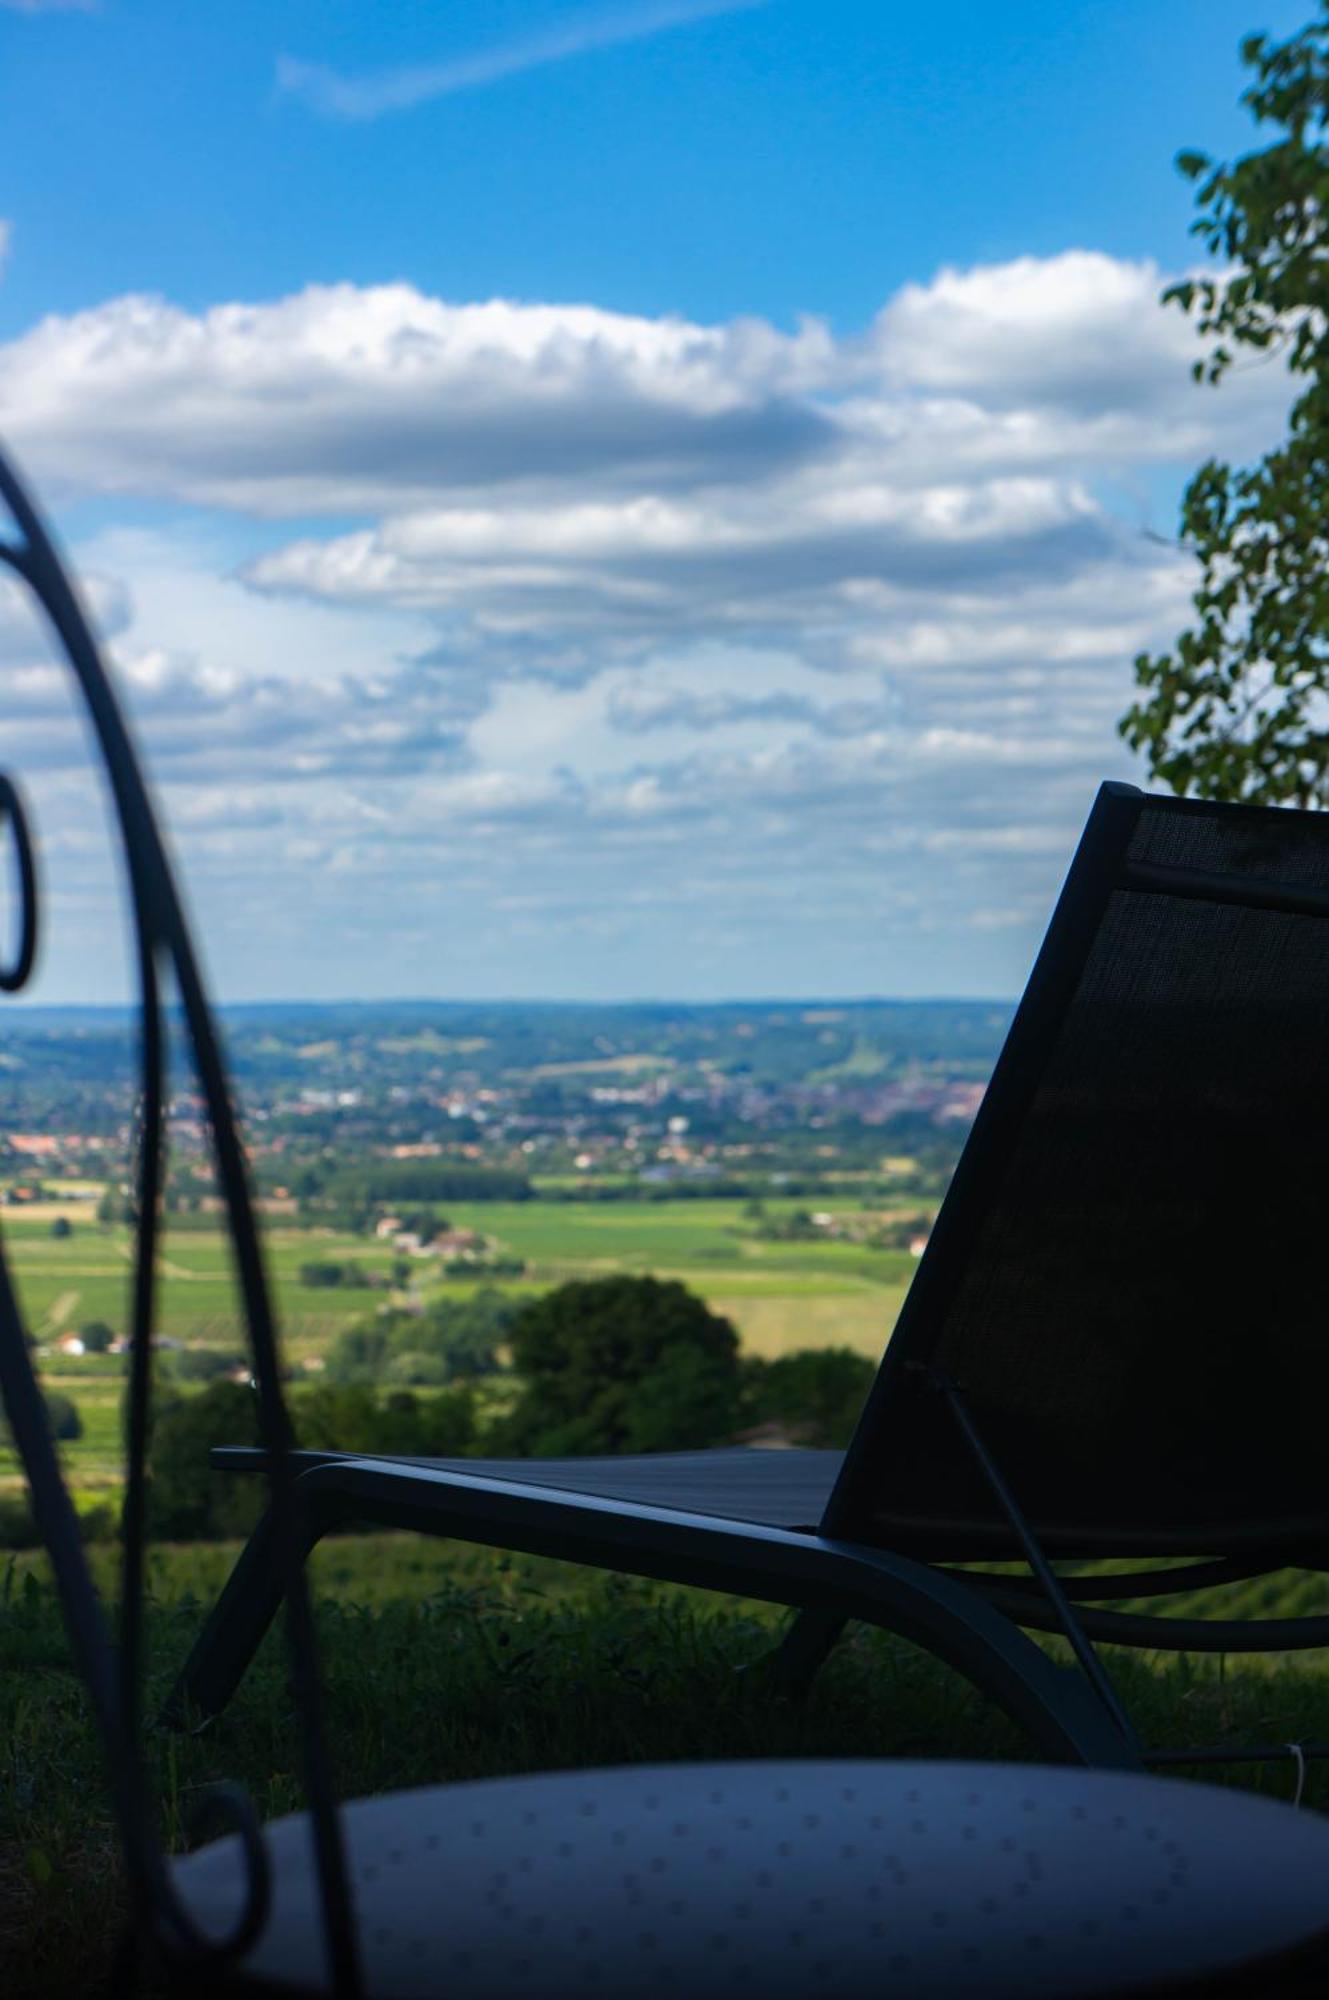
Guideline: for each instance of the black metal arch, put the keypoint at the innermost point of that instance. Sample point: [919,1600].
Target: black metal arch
[112,1670]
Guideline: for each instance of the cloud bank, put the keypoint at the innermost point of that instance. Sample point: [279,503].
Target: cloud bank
[635,631]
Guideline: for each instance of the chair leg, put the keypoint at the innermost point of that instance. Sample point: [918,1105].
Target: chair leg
[234,1631]
[798,1658]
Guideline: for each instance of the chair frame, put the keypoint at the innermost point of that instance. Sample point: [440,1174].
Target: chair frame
[112,1669]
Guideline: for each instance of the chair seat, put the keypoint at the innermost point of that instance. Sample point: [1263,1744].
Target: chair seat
[785,1488]
[783,1879]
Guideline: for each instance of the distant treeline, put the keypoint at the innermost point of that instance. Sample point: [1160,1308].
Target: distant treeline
[373,1182]
[701,1187]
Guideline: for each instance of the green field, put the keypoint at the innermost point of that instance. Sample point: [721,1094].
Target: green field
[64,1282]
[779,1296]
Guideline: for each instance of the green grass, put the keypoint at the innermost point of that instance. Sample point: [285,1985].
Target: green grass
[446,1664]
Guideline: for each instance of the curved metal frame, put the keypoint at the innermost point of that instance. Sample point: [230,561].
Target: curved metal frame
[1166,1633]
[818,1574]
[113,1674]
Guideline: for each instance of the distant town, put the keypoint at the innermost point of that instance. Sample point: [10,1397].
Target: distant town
[515,1099]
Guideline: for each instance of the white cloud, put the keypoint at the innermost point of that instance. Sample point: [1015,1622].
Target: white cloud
[382,91]
[615,612]
[344,399]
[1082,331]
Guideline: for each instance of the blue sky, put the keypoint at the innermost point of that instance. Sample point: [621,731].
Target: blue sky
[612,499]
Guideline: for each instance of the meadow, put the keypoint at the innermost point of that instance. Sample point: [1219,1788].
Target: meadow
[780,1296]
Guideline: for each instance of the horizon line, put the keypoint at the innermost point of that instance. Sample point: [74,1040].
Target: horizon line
[497,1000]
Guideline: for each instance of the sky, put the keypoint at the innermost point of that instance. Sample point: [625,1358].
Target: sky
[633,499]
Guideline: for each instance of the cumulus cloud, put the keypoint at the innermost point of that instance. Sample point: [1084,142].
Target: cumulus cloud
[345,399]
[355,400]
[1082,332]
[586,607]
[382,91]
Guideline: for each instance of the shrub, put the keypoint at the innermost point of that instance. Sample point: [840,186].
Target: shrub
[321,1273]
[99,1523]
[18,1530]
[360,1353]
[815,1394]
[416,1367]
[451,1340]
[204,1364]
[352,1418]
[63,1417]
[189,1501]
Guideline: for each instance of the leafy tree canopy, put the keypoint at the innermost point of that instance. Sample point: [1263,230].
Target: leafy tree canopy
[1239,709]
[189,1500]
[353,1418]
[450,1341]
[815,1395]
[192,1502]
[621,1364]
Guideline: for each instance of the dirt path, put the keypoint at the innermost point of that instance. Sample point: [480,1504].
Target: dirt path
[61,1310]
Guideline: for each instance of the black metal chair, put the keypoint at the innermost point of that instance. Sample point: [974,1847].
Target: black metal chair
[1114,1345]
[785,1878]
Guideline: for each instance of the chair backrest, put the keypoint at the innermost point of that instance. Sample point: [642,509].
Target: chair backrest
[1127,1277]
[112,1670]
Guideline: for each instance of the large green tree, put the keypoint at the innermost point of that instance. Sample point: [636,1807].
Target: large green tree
[1239,708]
[621,1364]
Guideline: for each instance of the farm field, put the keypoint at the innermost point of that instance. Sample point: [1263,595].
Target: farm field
[66,1281]
[779,1295]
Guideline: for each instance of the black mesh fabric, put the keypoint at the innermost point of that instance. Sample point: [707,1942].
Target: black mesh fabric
[1141,1329]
